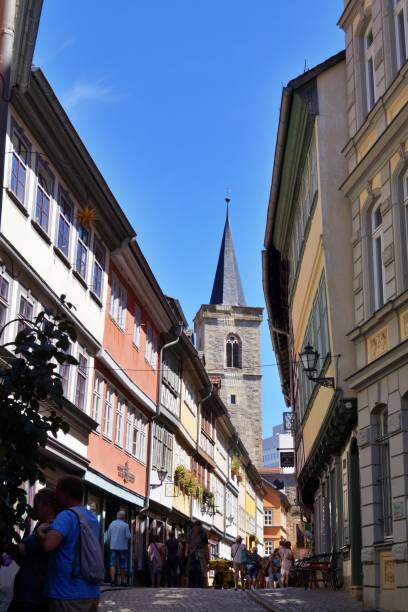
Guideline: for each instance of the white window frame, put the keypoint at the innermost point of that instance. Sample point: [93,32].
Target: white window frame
[26,295]
[80,243]
[268,547]
[15,130]
[369,67]
[400,27]
[47,194]
[152,346]
[97,400]
[98,265]
[268,517]
[385,473]
[377,238]
[137,327]
[118,301]
[82,374]
[120,421]
[62,218]
[5,303]
[109,411]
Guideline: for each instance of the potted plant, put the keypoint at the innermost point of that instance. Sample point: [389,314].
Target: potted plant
[235,465]
[180,475]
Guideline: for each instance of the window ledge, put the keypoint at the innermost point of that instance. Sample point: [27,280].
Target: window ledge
[62,256]
[137,348]
[116,324]
[96,298]
[80,279]
[107,438]
[119,446]
[41,231]
[17,202]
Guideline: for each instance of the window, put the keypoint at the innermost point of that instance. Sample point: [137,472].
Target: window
[268,547]
[233,399]
[108,420]
[118,301]
[25,313]
[120,421]
[303,209]
[19,165]
[377,258]
[81,261]
[162,448]
[64,371]
[151,346]
[189,398]
[317,335]
[82,375]
[98,267]
[385,471]
[400,12]
[64,223]
[43,198]
[170,389]
[233,351]
[369,67]
[137,326]
[4,300]
[97,400]
[136,434]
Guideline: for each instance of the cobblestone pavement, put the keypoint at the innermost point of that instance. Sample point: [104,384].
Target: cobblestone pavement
[302,600]
[173,600]
[211,600]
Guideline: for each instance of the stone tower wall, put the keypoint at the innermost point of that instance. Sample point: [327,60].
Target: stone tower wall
[213,324]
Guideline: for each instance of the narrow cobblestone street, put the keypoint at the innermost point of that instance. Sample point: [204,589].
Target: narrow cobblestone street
[208,600]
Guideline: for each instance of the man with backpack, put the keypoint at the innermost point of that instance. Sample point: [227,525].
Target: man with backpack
[75,568]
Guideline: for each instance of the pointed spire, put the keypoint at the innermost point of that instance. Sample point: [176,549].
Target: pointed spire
[227,288]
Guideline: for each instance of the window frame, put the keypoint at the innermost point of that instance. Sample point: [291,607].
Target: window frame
[233,352]
[137,326]
[81,375]
[98,266]
[97,400]
[385,479]
[27,297]
[17,132]
[400,18]
[369,71]
[42,168]
[82,247]
[62,219]
[378,268]
[109,411]
[117,301]
[4,302]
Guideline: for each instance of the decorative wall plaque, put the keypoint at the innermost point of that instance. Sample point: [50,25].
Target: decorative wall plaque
[404,325]
[125,473]
[387,569]
[378,344]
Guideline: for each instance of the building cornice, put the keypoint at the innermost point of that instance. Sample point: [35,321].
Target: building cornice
[380,367]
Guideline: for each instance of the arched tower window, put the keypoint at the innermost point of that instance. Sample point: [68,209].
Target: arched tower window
[233,352]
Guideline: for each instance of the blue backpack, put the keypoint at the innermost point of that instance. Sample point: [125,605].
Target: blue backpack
[89,552]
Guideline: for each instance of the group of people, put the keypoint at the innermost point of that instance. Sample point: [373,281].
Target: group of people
[53,575]
[253,571]
[181,561]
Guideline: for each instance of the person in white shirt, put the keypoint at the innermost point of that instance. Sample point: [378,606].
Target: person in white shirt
[239,554]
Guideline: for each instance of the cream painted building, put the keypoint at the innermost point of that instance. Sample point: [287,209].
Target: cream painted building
[376,188]
[307,266]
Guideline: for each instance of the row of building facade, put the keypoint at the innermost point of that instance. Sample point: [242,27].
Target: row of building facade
[335,280]
[149,431]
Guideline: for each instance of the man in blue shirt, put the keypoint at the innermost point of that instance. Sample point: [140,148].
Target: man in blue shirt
[118,537]
[67,590]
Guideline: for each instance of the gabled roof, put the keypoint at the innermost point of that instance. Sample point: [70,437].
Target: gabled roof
[227,288]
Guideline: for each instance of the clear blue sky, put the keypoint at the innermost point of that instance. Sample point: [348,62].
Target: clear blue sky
[178,100]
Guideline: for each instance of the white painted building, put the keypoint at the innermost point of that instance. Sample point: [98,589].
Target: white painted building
[277,449]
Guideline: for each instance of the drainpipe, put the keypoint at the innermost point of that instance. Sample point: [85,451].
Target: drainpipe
[7,21]
[209,394]
[154,417]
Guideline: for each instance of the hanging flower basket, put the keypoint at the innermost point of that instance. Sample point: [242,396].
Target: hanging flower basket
[191,483]
[180,476]
[87,216]
[235,465]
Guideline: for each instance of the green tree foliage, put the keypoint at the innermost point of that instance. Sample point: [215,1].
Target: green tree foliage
[31,398]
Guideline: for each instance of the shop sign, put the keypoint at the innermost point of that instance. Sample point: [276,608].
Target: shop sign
[125,473]
[288,421]
[287,459]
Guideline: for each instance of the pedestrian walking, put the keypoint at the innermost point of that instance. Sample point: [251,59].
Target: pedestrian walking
[274,568]
[29,583]
[75,567]
[286,556]
[253,566]
[172,545]
[197,556]
[155,556]
[239,559]
[183,560]
[118,537]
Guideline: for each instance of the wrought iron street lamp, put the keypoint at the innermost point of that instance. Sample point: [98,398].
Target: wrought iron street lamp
[162,475]
[309,359]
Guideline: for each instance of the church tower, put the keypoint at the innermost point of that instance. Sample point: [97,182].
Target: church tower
[228,334]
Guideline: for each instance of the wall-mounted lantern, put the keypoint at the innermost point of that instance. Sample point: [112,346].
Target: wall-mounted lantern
[309,359]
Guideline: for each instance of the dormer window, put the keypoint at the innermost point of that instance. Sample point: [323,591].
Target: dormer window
[233,352]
